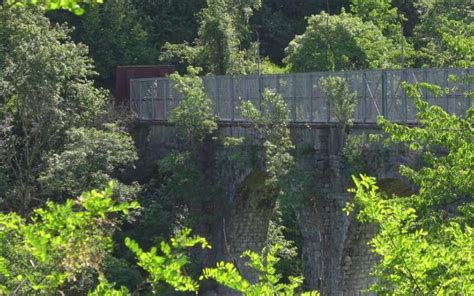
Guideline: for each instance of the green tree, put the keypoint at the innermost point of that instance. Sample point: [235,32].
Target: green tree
[116,34]
[44,91]
[269,281]
[91,157]
[458,42]
[59,243]
[76,6]
[426,240]
[340,42]
[278,21]
[218,47]
[379,12]
[271,123]
[387,17]
[51,115]
[194,116]
[342,98]
[186,174]
[438,20]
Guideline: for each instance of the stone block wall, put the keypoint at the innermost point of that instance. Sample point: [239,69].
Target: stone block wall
[335,256]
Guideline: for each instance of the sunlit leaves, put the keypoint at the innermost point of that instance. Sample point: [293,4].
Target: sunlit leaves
[340,42]
[168,267]
[75,6]
[104,288]
[58,242]
[415,260]
[425,240]
[269,281]
[445,33]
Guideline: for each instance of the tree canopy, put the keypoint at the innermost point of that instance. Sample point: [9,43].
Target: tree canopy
[76,6]
[340,42]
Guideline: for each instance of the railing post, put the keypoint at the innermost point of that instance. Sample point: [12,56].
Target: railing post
[366,105]
[153,107]
[384,94]
[425,78]
[140,103]
[130,96]
[277,83]
[294,98]
[311,97]
[328,105]
[468,77]
[446,76]
[232,99]
[404,100]
[217,97]
[165,107]
[260,95]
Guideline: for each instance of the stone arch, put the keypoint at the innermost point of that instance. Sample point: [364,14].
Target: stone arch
[358,260]
[247,226]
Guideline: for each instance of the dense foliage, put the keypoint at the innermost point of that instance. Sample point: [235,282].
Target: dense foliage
[53,140]
[58,244]
[269,282]
[340,42]
[426,239]
[115,34]
[341,97]
[270,119]
[440,22]
[194,116]
[60,138]
[218,46]
[76,6]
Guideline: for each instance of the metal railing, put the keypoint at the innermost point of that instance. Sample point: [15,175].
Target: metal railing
[378,92]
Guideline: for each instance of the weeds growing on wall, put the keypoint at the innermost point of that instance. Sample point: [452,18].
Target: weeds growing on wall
[194,116]
[270,120]
[353,150]
[342,98]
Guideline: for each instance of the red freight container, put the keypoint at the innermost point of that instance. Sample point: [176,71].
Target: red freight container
[125,73]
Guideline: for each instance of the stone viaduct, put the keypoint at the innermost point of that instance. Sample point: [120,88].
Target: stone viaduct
[335,256]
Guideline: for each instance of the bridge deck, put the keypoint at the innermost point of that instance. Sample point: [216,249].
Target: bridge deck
[378,92]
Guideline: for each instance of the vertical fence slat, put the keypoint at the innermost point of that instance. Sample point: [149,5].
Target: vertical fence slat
[310,85]
[165,101]
[446,75]
[404,100]
[217,96]
[232,115]
[384,93]
[294,98]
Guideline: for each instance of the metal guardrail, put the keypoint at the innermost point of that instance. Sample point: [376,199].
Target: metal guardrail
[379,92]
